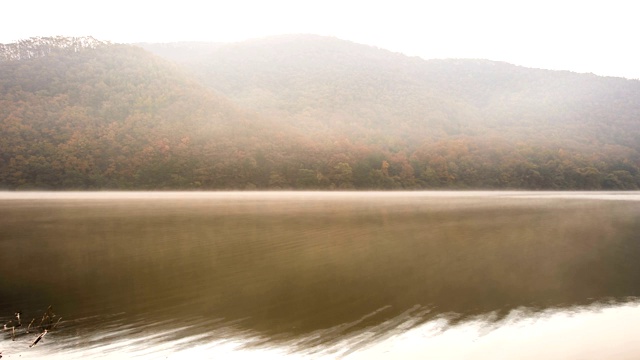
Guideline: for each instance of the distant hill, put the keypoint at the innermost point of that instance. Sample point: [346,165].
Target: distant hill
[322,82]
[47,46]
[115,116]
[304,112]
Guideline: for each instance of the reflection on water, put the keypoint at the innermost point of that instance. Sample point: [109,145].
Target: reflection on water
[362,275]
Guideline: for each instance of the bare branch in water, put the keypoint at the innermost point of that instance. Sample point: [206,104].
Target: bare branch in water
[31,323]
[46,325]
[47,318]
[38,338]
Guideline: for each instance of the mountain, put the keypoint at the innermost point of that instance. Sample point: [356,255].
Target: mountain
[114,116]
[563,129]
[326,83]
[304,111]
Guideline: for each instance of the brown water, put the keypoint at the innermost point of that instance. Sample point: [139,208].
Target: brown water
[322,275]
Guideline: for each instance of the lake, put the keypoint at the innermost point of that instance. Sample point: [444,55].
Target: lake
[321,275]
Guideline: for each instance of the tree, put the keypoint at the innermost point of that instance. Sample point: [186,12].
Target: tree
[341,176]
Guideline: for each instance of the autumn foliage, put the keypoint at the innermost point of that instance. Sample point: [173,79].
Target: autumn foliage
[305,113]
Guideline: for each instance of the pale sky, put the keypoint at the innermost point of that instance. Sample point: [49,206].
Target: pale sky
[600,37]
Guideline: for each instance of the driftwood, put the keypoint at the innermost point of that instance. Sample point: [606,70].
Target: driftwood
[13,324]
[48,322]
[38,338]
[31,323]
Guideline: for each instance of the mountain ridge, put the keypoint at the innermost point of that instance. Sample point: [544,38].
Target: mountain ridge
[269,74]
[308,112]
[44,46]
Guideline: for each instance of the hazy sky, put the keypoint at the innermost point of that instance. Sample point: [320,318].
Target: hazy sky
[584,36]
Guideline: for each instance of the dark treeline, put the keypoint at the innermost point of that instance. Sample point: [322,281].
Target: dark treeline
[118,117]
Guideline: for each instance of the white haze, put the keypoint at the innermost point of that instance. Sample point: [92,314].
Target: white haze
[581,36]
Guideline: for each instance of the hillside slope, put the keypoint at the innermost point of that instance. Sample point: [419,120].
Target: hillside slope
[322,83]
[115,116]
[434,123]
[304,112]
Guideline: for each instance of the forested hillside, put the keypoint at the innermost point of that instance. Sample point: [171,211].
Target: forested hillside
[346,88]
[115,116]
[304,112]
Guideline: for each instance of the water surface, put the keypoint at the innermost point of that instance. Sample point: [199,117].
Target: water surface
[322,275]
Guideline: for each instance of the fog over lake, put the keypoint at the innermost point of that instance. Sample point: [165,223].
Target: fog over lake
[306,275]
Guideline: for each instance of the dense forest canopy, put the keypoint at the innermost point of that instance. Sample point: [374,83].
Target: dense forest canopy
[304,112]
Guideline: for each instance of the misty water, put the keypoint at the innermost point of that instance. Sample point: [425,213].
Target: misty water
[354,275]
